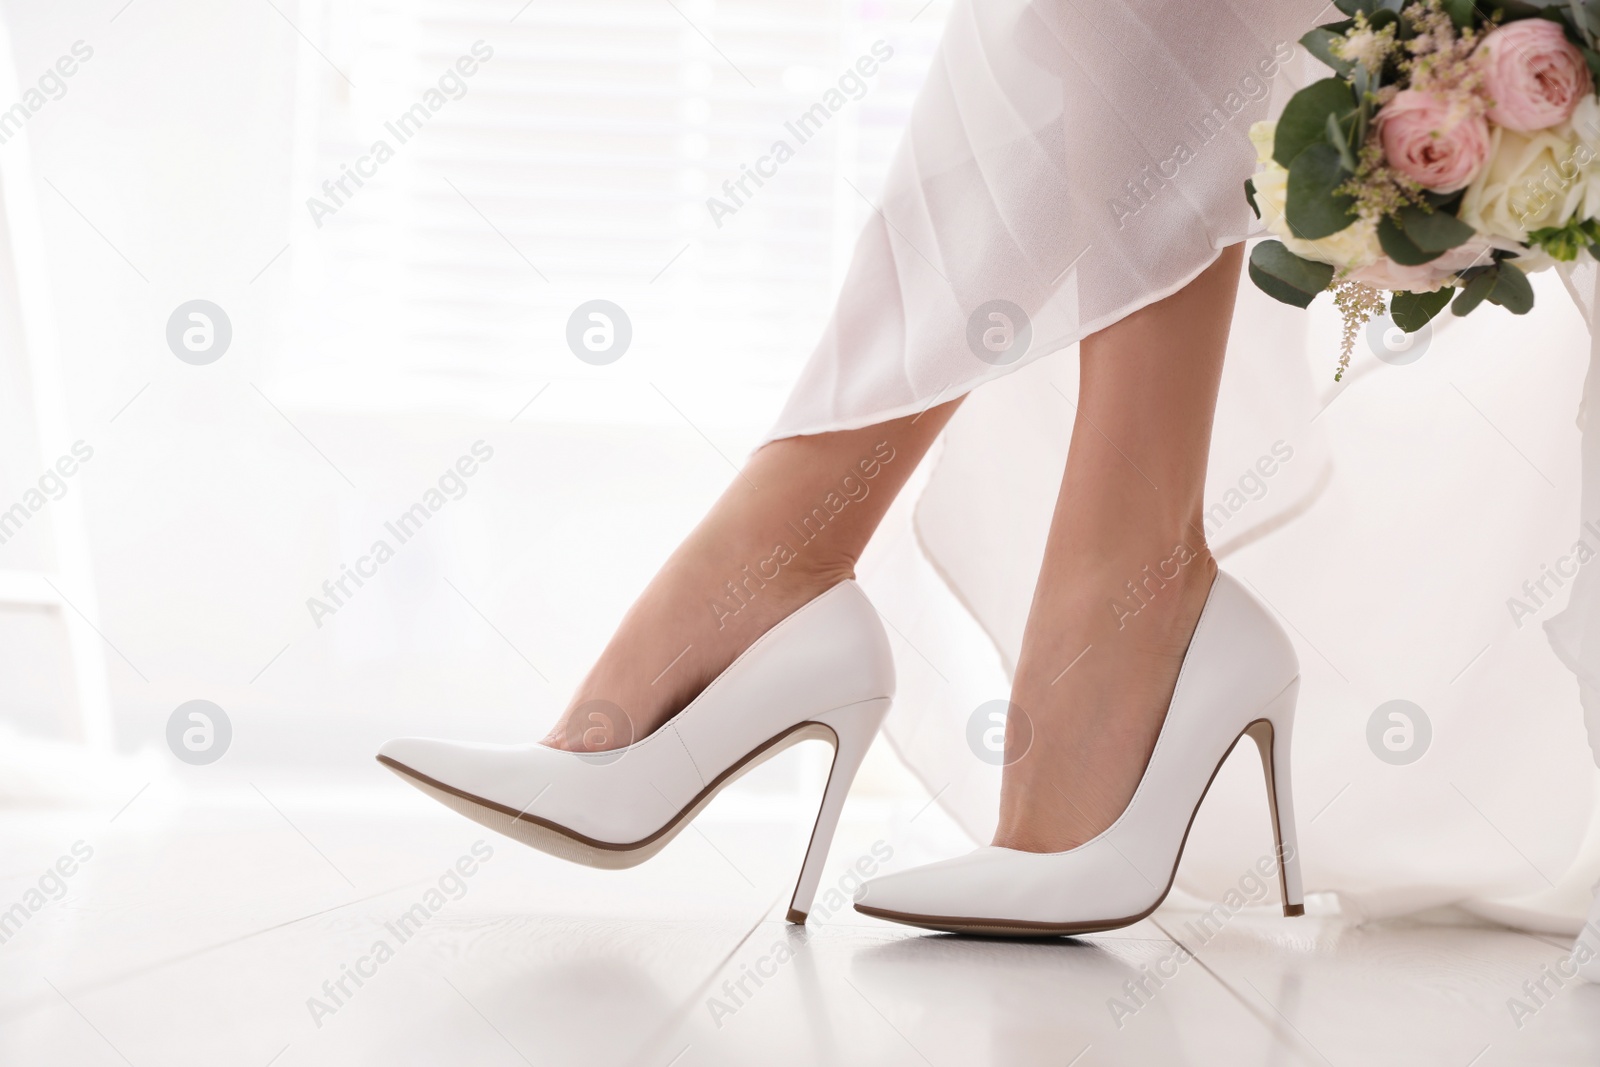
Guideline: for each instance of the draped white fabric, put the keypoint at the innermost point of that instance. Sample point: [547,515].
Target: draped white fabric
[1083,160]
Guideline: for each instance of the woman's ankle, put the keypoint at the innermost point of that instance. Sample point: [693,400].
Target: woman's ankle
[760,584]
[1161,582]
[707,605]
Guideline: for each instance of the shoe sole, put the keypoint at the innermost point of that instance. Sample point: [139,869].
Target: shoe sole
[570,845]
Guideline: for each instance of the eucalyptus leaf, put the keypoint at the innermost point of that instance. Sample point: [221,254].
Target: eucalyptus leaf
[1337,138]
[1475,292]
[1362,81]
[1285,276]
[1510,10]
[1412,311]
[1512,290]
[1304,121]
[1250,196]
[1398,246]
[1314,210]
[1460,12]
[1434,231]
[1319,43]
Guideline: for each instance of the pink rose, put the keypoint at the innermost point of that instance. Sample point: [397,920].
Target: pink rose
[1440,145]
[1534,75]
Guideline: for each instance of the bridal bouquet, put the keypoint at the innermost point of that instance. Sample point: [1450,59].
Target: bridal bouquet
[1455,150]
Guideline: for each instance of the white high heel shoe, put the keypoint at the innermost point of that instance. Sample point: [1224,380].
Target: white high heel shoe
[1239,677]
[824,672]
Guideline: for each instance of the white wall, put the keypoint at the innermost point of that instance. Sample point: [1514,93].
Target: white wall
[213,519]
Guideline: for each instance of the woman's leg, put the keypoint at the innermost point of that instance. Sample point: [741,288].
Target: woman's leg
[1126,569]
[790,526]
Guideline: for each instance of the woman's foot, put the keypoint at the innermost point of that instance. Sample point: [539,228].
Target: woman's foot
[825,673]
[701,611]
[788,529]
[1126,569]
[1241,679]
[1097,671]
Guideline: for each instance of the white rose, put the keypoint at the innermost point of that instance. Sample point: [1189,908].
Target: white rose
[1264,135]
[1584,130]
[1585,122]
[1350,249]
[1532,181]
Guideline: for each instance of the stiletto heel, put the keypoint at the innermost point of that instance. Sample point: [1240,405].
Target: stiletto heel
[1239,676]
[1272,733]
[824,672]
[851,730]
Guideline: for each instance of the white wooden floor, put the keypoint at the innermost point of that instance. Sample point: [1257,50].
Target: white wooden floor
[204,923]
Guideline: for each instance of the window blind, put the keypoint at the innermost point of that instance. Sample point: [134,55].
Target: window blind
[468,173]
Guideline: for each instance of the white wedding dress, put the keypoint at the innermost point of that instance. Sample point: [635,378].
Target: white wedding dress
[1080,161]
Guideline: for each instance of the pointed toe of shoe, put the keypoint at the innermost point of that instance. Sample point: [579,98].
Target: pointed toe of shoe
[402,749]
[1001,892]
[882,893]
[440,763]
[415,755]
[922,896]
